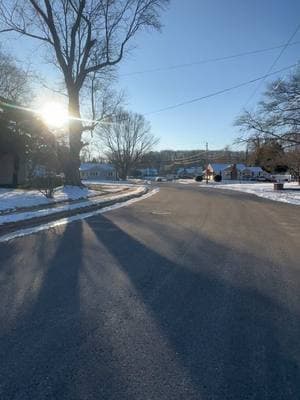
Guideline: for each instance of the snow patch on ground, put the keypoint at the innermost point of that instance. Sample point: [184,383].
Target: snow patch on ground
[63,221]
[265,190]
[186,181]
[127,183]
[11,199]
[21,216]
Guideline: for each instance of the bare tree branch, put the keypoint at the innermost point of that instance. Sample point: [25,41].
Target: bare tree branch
[126,140]
[85,36]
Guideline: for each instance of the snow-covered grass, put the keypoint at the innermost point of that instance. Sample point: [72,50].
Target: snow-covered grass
[265,190]
[22,216]
[12,199]
[63,221]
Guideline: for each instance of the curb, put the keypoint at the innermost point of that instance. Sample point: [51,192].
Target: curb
[32,222]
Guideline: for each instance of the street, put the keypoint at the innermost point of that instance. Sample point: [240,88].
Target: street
[192,293]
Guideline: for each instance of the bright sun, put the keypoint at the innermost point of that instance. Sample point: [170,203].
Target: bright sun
[54,114]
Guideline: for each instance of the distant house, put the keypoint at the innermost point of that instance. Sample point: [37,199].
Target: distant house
[234,171]
[189,172]
[97,171]
[148,172]
[249,173]
[215,169]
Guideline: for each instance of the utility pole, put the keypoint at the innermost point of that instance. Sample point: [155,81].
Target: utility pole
[206,152]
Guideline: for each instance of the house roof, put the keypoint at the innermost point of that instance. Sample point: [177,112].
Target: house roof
[254,169]
[96,166]
[240,166]
[219,166]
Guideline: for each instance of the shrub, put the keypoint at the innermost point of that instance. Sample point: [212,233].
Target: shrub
[46,184]
[218,178]
[199,178]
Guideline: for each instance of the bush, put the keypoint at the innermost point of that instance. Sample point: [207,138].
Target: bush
[46,184]
[199,178]
[218,178]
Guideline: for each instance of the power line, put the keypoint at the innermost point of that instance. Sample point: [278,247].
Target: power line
[213,94]
[187,159]
[199,157]
[209,60]
[284,47]
[174,163]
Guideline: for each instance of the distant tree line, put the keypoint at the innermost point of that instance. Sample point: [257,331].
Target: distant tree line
[169,161]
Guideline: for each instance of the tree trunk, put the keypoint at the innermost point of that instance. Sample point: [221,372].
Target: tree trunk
[72,173]
[16,170]
[123,174]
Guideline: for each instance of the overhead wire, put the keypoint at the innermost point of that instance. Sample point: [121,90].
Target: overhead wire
[218,92]
[284,47]
[173,106]
[208,60]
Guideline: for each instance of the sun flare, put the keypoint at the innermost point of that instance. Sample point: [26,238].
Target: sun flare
[54,115]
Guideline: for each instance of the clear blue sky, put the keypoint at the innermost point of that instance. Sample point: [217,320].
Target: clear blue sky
[195,30]
[200,29]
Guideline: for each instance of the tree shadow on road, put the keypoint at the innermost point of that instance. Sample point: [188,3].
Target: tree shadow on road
[234,341]
[115,319]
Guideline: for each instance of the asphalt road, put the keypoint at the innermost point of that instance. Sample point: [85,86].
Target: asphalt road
[193,293]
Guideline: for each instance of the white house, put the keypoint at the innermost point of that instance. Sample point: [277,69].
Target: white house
[97,171]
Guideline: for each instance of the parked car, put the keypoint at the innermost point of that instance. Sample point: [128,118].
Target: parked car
[265,179]
[160,179]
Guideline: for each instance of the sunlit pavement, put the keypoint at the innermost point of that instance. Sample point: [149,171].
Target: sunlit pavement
[189,294]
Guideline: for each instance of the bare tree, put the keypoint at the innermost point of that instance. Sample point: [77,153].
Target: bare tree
[14,81]
[272,133]
[277,116]
[126,140]
[292,160]
[102,101]
[85,36]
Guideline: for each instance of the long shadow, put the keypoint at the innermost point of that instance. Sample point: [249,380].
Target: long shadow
[33,349]
[235,342]
[115,319]
[51,351]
